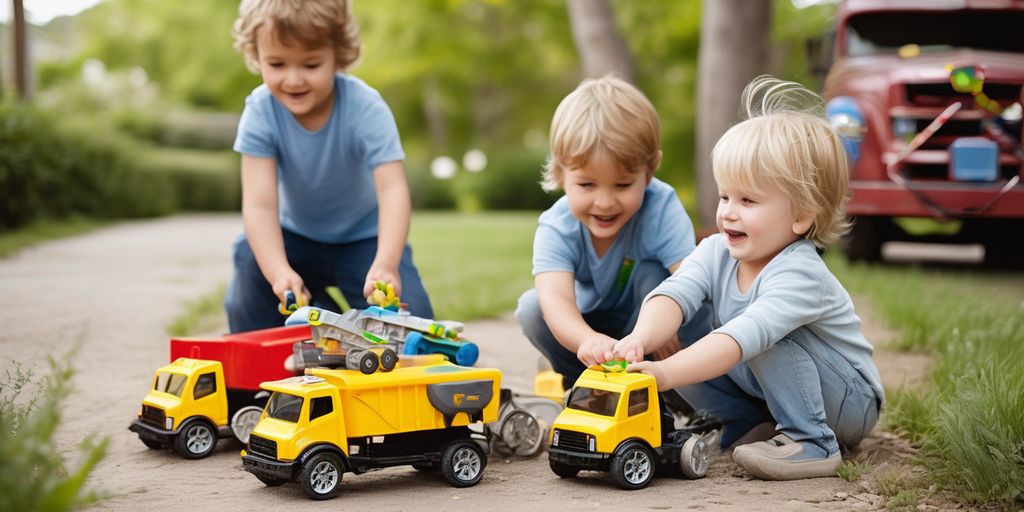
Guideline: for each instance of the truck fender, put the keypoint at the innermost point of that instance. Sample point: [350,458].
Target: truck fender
[324,447]
[451,398]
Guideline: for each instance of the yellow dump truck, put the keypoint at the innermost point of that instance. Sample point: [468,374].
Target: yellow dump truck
[615,422]
[320,425]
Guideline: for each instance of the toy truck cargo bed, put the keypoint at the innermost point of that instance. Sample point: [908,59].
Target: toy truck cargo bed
[249,358]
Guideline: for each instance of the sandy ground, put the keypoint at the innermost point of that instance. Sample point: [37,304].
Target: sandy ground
[111,294]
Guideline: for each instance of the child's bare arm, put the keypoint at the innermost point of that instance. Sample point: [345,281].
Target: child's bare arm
[710,357]
[658,323]
[556,293]
[262,227]
[394,210]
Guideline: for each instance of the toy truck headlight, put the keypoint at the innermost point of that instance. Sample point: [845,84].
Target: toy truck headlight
[848,122]
[592,443]
[554,438]
[168,423]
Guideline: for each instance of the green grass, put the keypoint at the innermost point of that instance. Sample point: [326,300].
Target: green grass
[851,470]
[969,422]
[473,265]
[203,315]
[41,231]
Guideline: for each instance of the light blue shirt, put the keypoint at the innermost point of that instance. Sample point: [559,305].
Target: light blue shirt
[795,295]
[660,231]
[324,178]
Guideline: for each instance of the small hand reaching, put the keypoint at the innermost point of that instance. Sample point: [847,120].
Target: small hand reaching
[631,348]
[596,349]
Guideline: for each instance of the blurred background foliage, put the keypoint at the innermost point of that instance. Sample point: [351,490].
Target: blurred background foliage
[135,101]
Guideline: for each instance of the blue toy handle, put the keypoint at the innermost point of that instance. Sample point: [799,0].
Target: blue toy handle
[462,353]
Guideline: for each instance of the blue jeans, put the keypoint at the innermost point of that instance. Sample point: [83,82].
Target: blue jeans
[808,389]
[616,322]
[250,302]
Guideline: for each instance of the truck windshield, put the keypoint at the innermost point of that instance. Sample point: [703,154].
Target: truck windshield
[877,33]
[168,382]
[283,406]
[597,401]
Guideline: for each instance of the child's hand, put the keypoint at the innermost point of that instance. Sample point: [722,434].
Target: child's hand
[631,348]
[653,368]
[596,349]
[385,275]
[290,281]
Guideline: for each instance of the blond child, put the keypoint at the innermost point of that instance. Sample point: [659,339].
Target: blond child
[787,347]
[325,201]
[615,235]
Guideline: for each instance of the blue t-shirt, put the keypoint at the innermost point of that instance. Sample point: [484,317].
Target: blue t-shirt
[660,231]
[324,178]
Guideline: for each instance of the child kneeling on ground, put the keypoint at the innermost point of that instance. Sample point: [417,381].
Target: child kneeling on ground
[786,347]
[616,234]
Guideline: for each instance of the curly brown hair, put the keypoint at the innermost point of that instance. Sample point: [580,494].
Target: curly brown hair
[310,23]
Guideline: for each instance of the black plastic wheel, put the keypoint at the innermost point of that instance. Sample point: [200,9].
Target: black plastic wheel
[563,470]
[632,466]
[320,478]
[462,463]
[388,360]
[196,440]
[865,239]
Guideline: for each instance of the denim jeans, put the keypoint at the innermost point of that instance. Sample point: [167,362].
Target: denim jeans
[811,392]
[616,322]
[250,302]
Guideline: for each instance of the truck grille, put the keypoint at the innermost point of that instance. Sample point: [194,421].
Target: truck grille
[153,415]
[263,446]
[570,440]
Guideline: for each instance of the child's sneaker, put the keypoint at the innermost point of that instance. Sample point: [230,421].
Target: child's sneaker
[780,459]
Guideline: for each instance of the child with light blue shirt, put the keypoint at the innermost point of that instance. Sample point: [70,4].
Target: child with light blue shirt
[787,349]
[616,234]
[325,201]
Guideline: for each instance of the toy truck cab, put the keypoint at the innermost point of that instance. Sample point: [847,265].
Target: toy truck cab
[185,408]
[614,422]
[892,80]
[318,426]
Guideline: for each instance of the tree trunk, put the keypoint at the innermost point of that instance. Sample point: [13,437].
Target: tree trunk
[599,43]
[20,48]
[734,48]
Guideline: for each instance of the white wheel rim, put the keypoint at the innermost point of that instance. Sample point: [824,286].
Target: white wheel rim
[521,432]
[324,477]
[198,439]
[637,467]
[466,464]
[245,421]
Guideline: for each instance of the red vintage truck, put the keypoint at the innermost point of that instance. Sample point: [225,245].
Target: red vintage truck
[928,142]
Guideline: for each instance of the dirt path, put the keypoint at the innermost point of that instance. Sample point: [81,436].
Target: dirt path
[113,292]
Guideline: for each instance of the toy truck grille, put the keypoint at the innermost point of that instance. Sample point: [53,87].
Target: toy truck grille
[263,446]
[153,415]
[571,440]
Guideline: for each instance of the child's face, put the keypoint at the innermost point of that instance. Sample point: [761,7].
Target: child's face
[757,222]
[302,79]
[604,196]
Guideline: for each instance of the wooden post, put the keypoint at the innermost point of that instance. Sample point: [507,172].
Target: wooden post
[20,46]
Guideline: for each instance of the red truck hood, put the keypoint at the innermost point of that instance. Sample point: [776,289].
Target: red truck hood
[880,71]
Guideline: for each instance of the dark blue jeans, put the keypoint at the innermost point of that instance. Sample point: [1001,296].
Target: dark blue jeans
[250,302]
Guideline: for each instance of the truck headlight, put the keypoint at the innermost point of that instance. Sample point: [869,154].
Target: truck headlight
[168,423]
[592,443]
[848,122]
[554,438]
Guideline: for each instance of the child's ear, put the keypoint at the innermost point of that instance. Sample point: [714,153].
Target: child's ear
[803,224]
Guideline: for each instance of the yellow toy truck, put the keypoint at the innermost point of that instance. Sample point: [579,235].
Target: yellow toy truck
[321,425]
[614,422]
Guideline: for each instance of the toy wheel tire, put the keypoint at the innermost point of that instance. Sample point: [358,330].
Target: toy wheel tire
[462,463]
[388,360]
[271,481]
[244,420]
[632,466]
[320,478]
[196,440]
[521,433]
[368,362]
[152,444]
[563,470]
[693,458]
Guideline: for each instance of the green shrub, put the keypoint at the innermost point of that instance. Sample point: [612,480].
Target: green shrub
[33,475]
[511,181]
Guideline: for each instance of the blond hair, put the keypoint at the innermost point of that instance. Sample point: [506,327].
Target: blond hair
[310,23]
[786,141]
[604,117]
